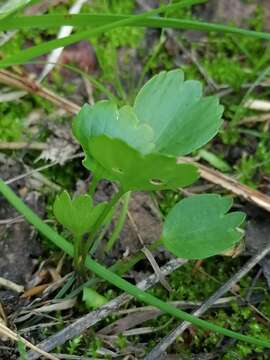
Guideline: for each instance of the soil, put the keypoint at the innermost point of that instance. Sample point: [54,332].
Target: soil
[224,11]
[257,237]
[145,216]
[19,247]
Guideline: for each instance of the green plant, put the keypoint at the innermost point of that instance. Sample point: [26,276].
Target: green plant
[137,147]
[74,344]
[22,350]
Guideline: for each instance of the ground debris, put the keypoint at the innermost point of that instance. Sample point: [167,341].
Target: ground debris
[233,11]
[61,144]
[17,240]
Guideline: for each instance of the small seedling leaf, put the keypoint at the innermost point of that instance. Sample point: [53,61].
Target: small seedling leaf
[199,226]
[181,118]
[134,171]
[92,299]
[78,215]
[214,160]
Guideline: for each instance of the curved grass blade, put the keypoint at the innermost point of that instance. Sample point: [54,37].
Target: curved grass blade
[94,20]
[114,279]
[28,54]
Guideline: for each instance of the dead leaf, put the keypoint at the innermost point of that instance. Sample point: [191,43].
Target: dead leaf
[197,265]
[28,294]
[54,274]
[57,306]
[235,250]
[60,145]
[58,150]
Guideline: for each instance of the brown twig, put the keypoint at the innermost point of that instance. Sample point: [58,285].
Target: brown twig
[5,145]
[255,119]
[11,285]
[13,336]
[231,184]
[21,82]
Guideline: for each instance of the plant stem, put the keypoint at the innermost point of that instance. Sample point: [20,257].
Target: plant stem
[101,219]
[77,252]
[119,226]
[100,236]
[120,267]
[114,279]
[93,185]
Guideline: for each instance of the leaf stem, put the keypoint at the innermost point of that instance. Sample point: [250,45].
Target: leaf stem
[93,185]
[119,226]
[77,252]
[101,219]
[114,279]
[120,267]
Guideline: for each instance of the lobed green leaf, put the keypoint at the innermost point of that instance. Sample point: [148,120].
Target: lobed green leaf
[115,160]
[199,226]
[78,215]
[182,120]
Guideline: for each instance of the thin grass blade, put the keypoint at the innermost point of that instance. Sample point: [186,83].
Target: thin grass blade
[94,20]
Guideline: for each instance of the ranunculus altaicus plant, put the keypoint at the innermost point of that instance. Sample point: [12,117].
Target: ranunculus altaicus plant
[137,147]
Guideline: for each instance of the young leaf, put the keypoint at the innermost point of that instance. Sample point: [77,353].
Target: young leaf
[104,118]
[181,118]
[117,161]
[92,299]
[78,215]
[214,160]
[199,226]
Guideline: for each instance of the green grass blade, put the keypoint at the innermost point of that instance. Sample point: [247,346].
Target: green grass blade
[28,54]
[93,20]
[114,279]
